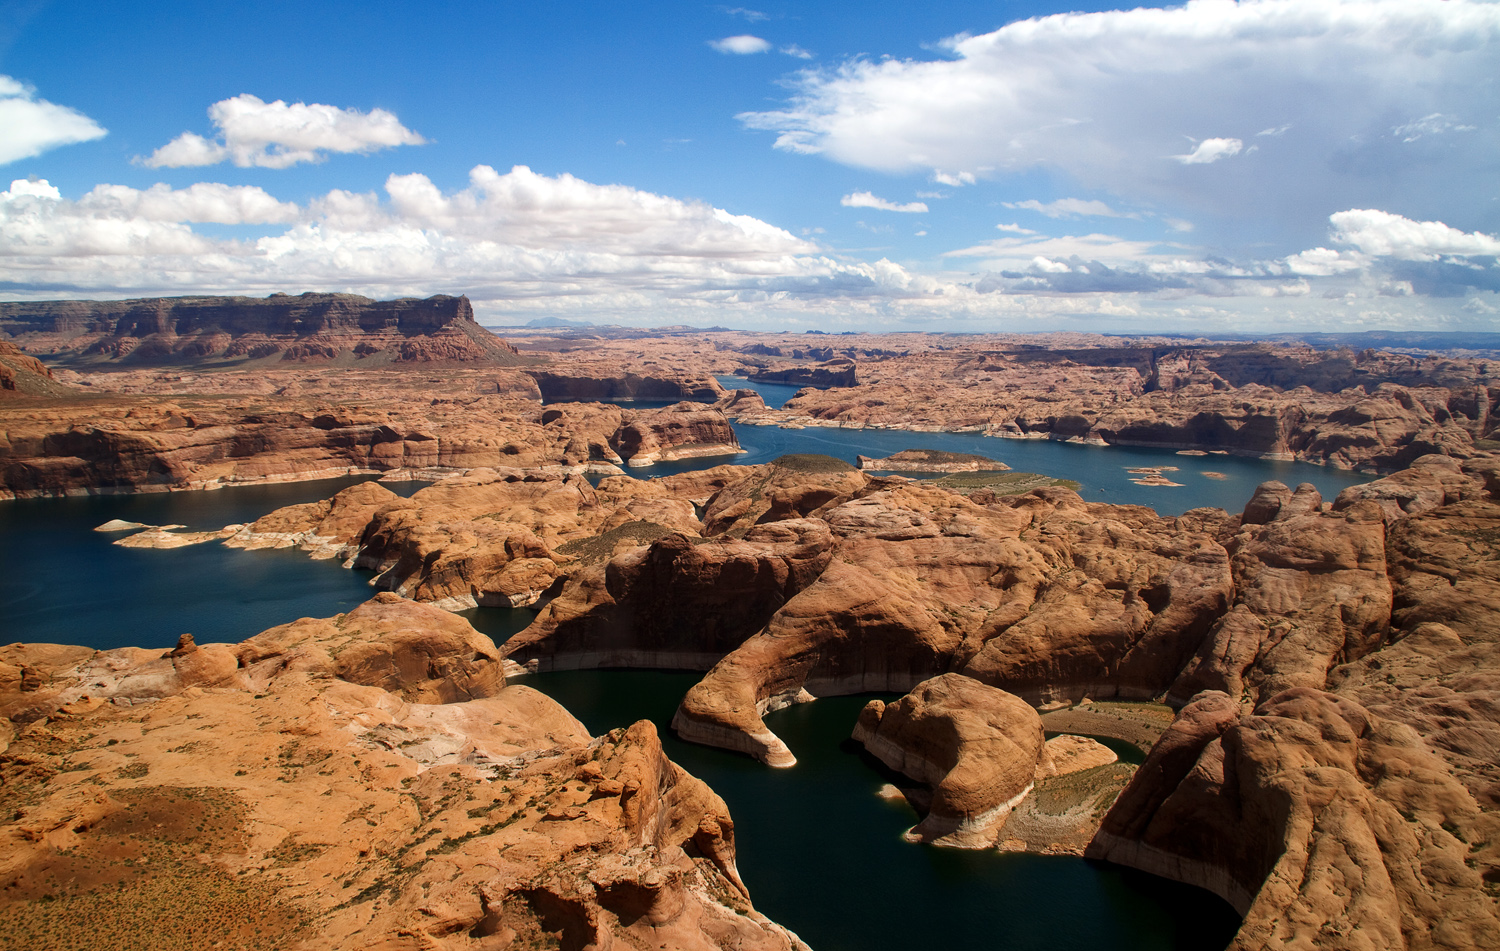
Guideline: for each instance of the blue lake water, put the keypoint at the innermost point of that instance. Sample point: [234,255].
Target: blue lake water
[1103,472]
[821,853]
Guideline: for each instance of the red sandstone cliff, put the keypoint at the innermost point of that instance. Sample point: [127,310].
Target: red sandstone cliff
[310,328]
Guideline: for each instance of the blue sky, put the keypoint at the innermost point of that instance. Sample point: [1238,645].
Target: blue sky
[1262,166]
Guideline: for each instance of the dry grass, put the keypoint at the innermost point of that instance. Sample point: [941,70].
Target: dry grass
[139,880]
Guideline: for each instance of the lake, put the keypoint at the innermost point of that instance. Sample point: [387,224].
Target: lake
[822,853]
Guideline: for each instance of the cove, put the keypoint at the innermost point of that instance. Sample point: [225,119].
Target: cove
[822,854]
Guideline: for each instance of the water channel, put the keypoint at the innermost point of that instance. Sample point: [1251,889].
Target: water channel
[820,851]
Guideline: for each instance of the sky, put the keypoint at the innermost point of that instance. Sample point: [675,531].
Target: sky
[1264,166]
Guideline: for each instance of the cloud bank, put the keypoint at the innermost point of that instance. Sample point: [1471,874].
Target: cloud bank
[277,135]
[1348,102]
[551,242]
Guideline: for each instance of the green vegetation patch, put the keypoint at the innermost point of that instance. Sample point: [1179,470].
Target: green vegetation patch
[812,462]
[600,547]
[939,457]
[1063,794]
[1000,483]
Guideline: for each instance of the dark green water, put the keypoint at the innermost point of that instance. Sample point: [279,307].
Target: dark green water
[823,854]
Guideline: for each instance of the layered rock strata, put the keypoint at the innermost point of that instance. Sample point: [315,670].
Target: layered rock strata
[561,386]
[361,781]
[309,328]
[1372,409]
[142,444]
[977,747]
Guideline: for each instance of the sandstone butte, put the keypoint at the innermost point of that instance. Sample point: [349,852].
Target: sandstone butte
[197,331]
[1331,769]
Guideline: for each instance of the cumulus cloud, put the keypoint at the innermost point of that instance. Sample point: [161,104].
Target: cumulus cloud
[33,126]
[518,236]
[1402,257]
[1068,208]
[1384,234]
[30,188]
[792,49]
[742,45]
[1211,150]
[1106,98]
[867,200]
[278,135]
[208,202]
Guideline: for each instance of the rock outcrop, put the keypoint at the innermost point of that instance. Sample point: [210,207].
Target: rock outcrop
[1371,409]
[561,386]
[932,460]
[840,372]
[310,328]
[146,444]
[23,374]
[979,749]
[328,791]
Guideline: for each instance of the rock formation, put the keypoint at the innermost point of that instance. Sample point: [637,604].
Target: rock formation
[361,781]
[834,373]
[559,386]
[979,749]
[1371,409]
[23,374]
[146,444]
[932,460]
[310,328]
[1331,769]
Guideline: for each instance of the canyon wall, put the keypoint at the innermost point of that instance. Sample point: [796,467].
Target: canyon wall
[309,328]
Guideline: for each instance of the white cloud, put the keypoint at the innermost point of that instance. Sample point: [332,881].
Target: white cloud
[752,15]
[1324,262]
[517,236]
[201,202]
[33,126]
[30,188]
[522,243]
[1383,234]
[1434,124]
[187,150]
[278,135]
[1110,249]
[792,49]
[1101,98]
[867,200]
[741,45]
[957,180]
[1069,208]
[1211,150]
